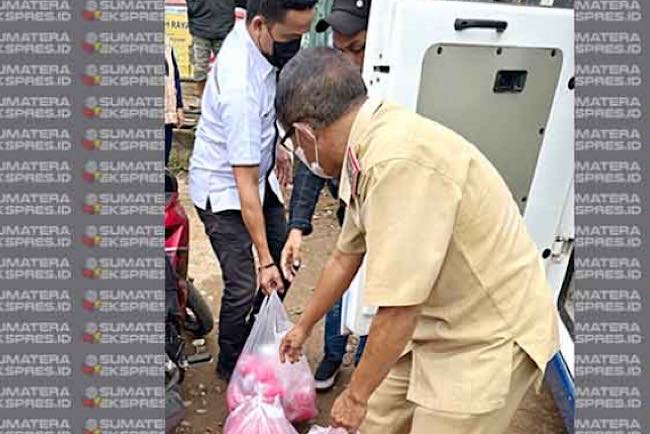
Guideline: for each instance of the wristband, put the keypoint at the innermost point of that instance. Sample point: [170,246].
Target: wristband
[264,267]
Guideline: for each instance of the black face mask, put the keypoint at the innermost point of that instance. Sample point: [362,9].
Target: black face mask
[283,52]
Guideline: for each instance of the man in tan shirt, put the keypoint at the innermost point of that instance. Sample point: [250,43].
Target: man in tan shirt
[465,322]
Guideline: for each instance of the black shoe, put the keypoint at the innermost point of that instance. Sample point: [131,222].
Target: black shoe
[326,374]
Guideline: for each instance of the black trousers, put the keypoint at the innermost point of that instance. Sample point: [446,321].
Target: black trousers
[241,299]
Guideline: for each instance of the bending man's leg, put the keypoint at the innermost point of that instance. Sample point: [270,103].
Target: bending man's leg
[233,247]
[335,345]
[335,342]
[389,412]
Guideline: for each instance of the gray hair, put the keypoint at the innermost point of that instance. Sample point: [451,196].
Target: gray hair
[318,85]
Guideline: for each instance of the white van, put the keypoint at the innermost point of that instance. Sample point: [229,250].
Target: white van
[500,74]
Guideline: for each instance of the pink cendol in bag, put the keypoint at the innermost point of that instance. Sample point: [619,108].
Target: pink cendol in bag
[256,376]
[259,374]
[299,400]
[256,416]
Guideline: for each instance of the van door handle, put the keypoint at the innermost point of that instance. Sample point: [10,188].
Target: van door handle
[465,23]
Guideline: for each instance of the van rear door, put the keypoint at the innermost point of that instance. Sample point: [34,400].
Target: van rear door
[502,76]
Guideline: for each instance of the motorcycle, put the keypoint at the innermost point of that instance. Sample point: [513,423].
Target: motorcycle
[195,312]
[186,311]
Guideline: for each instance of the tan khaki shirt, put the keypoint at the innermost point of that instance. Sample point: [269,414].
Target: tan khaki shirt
[440,229]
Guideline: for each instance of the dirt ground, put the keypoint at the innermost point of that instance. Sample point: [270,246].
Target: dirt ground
[204,394]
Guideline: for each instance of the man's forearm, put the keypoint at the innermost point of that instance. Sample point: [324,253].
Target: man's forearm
[390,331]
[334,280]
[253,217]
[252,211]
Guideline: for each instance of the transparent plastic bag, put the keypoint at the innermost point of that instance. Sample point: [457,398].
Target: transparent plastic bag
[256,416]
[329,430]
[259,372]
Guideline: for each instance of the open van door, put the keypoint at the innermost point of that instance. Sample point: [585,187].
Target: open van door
[502,76]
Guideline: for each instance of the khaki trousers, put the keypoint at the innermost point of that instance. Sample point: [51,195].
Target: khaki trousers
[389,412]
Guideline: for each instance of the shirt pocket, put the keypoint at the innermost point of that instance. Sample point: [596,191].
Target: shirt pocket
[472,382]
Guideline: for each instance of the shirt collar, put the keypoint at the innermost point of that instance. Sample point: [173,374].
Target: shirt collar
[362,122]
[261,64]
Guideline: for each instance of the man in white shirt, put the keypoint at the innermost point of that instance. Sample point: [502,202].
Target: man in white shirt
[232,179]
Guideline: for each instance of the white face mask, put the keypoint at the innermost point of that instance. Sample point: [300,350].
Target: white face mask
[313,166]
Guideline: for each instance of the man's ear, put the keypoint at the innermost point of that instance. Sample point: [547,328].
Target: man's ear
[256,25]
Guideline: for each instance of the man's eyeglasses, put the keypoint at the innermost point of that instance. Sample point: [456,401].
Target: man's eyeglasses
[298,132]
[283,142]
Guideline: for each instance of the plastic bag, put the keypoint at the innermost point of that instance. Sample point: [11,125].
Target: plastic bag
[355,317]
[299,399]
[255,416]
[329,430]
[259,372]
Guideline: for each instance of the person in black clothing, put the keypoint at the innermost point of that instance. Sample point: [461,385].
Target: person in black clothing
[209,21]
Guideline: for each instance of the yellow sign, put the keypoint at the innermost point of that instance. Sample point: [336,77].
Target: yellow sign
[177,30]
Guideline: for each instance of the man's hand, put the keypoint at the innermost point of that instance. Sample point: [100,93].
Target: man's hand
[291,254]
[335,278]
[291,345]
[270,280]
[347,412]
[180,114]
[283,166]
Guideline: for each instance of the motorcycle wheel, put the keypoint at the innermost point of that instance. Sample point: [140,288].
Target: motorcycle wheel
[200,321]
